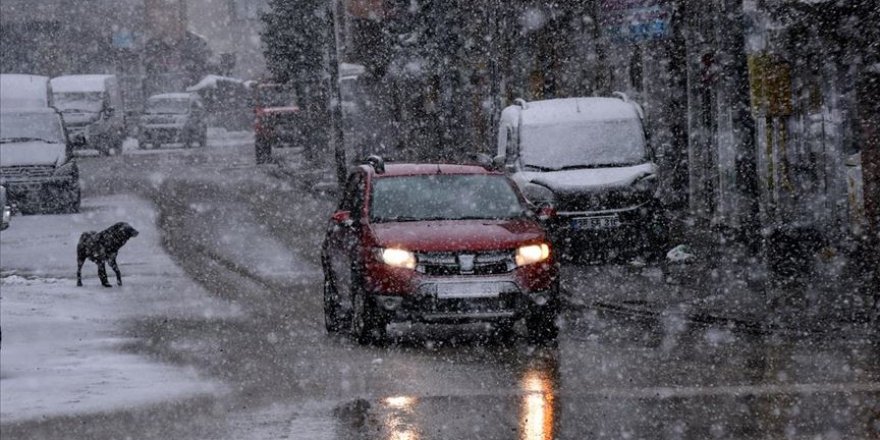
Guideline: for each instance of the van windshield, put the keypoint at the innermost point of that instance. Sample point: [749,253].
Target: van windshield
[79,101]
[584,145]
[172,106]
[25,127]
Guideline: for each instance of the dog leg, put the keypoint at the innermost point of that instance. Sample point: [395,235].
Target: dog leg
[79,267]
[116,269]
[102,274]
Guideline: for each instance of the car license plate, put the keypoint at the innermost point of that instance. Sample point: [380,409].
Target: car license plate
[467,290]
[602,222]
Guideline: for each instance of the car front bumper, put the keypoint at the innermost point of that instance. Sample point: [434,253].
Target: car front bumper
[41,191]
[466,299]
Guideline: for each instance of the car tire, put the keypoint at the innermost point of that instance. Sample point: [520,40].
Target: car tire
[333,321]
[542,327]
[367,327]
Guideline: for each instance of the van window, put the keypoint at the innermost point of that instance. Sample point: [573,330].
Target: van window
[583,145]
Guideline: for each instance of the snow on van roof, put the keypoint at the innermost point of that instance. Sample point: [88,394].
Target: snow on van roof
[210,82]
[79,83]
[23,91]
[554,111]
[172,96]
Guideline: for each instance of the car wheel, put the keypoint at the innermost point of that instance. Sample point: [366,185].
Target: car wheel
[542,327]
[366,326]
[333,319]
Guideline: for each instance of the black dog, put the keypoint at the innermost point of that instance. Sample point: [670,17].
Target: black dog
[102,247]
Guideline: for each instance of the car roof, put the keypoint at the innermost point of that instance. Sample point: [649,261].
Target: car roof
[556,111]
[416,169]
[79,83]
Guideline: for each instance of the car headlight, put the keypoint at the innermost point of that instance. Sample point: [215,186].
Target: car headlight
[538,194]
[531,254]
[646,183]
[398,258]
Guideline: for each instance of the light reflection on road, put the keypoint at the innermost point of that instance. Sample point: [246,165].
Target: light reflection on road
[537,415]
[399,422]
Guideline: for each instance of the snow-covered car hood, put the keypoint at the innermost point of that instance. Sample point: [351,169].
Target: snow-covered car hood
[32,153]
[590,180]
[458,235]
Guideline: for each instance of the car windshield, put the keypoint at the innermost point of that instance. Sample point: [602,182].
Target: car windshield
[444,197]
[79,101]
[583,145]
[175,106]
[23,127]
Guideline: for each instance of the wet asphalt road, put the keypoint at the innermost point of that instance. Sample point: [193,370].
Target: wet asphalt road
[231,224]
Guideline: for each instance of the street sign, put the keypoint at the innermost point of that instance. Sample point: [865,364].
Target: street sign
[636,20]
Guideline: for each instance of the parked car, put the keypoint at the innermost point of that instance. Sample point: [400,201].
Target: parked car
[436,243]
[36,166]
[91,106]
[21,91]
[173,118]
[589,158]
[6,209]
[278,120]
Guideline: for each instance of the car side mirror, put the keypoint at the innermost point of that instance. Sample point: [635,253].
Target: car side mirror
[498,162]
[545,212]
[342,218]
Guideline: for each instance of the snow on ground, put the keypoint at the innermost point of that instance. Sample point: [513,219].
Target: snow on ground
[61,344]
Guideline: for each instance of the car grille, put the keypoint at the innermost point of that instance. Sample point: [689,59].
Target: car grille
[598,201]
[450,263]
[21,172]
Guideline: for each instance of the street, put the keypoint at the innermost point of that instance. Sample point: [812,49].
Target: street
[630,363]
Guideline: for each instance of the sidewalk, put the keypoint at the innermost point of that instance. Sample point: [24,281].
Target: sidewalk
[728,287]
[63,348]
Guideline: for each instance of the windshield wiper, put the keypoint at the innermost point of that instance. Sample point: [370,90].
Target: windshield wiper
[596,165]
[539,168]
[25,139]
[400,218]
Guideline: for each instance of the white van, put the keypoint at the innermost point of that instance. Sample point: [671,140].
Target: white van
[91,106]
[20,91]
[588,158]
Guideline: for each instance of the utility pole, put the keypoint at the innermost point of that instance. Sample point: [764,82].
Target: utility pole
[334,100]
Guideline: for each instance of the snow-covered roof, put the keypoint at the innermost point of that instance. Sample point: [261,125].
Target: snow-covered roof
[210,82]
[79,83]
[172,96]
[23,91]
[554,111]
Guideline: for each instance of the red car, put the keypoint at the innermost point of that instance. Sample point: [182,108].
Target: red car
[437,243]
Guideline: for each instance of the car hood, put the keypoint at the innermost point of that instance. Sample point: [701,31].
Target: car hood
[32,153]
[458,235]
[590,179]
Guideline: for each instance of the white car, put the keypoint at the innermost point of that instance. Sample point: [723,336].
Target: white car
[35,162]
[588,158]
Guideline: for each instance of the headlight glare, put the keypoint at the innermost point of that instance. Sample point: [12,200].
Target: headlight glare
[531,254]
[398,258]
